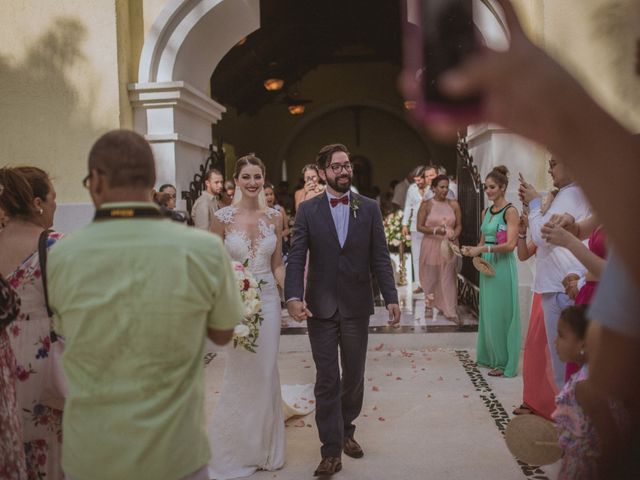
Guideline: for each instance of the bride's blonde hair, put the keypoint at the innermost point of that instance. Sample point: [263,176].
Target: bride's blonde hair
[245,161]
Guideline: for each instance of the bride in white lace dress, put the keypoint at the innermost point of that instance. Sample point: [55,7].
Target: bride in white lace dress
[247,431]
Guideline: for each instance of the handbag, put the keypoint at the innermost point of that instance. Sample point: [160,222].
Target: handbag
[55,390]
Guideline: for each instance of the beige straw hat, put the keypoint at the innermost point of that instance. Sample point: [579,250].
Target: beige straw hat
[483,266]
[445,249]
[533,440]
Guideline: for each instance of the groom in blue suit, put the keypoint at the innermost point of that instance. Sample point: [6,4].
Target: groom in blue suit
[344,236]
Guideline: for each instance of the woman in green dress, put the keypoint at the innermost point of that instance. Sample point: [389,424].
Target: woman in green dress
[499,338]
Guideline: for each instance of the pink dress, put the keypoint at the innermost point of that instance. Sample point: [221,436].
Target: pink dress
[29,338]
[588,290]
[12,462]
[437,275]
[576,434]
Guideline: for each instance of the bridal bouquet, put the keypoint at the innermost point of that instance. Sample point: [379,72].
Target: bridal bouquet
[246,333]
[393,230]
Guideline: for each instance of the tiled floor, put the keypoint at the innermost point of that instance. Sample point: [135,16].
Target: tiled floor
[426,413]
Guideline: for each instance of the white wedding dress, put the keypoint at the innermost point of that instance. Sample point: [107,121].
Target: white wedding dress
[247,430]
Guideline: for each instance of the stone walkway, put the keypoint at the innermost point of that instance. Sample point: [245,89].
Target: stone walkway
[428,413]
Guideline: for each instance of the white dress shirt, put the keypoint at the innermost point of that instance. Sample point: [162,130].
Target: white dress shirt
[411,207]
[340,214]
[554,263]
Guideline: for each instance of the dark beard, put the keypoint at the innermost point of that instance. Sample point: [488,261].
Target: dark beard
[333,183]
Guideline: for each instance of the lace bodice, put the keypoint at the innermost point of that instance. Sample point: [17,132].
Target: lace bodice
[245,241]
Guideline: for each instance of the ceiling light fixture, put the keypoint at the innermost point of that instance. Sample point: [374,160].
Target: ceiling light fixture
[273,84]
[296,109]
[409,105]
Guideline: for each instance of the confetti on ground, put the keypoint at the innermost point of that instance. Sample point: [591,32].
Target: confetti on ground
[295,405]
[465,396]
[312,402]
[375,389]
[307,366]
[379,347]
[389,374]
[382,419]
[365,415]
[440,379]
[398,378]
[369,379]
[375,407]
[428,396]
[299,423]
[308,425]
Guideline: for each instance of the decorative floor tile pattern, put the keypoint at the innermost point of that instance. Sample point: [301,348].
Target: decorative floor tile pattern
[421,416]
[496,410]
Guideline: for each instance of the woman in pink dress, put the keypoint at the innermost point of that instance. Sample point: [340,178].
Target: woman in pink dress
[439,219]
[28,200]
[12,463]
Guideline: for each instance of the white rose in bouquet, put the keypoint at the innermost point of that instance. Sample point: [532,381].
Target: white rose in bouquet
[241,330]
[251,294]
[252,307]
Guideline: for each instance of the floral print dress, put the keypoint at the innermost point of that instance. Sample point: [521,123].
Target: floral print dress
[30,340]
[12,463]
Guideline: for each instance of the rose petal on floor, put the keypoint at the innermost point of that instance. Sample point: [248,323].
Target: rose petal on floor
[299,423]
[382,419]
[379,347]
[375,389]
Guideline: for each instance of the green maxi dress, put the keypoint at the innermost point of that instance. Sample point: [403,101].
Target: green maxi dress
[499,338]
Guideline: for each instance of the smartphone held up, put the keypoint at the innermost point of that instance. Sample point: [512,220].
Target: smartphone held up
[447,36]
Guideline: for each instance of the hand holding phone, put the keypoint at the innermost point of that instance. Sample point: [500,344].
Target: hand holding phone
[447,37]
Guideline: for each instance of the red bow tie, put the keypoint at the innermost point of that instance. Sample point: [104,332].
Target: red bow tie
[337,201]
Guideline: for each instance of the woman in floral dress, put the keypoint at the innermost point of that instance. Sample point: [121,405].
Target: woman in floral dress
[12,464]
[28,200]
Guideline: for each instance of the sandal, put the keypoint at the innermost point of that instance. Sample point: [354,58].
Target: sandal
[496,372]
[523,410]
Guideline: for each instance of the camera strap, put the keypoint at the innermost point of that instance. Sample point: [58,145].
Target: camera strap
[127,212]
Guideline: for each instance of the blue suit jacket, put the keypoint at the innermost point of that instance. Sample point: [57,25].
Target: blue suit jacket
[339,279]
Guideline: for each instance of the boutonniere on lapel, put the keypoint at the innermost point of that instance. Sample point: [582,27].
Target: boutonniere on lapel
[354,205]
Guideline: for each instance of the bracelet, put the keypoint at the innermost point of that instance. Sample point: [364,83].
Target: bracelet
[524,237]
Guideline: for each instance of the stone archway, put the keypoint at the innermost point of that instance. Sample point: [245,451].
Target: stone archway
[318,113]
[172,103]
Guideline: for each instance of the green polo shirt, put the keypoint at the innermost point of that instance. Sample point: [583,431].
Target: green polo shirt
[133,299]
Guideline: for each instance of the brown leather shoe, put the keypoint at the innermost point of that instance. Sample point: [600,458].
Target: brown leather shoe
[328,466]
[352,448]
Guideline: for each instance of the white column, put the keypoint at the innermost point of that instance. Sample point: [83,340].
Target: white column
[177,119]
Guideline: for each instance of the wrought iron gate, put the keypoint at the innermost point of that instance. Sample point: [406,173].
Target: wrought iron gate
[471,199]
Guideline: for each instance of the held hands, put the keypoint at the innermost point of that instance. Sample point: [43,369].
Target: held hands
[298,311]
[405,231]
[394,315]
